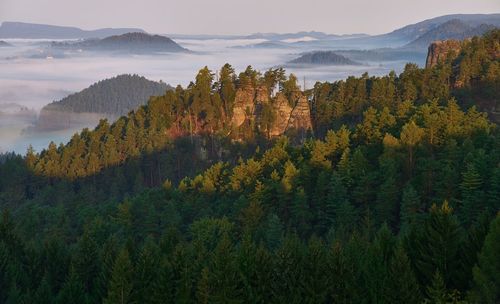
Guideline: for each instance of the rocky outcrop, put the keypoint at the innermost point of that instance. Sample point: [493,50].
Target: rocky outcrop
[300,118]
[282,111]
[441,50]
[244,103]
[249,103]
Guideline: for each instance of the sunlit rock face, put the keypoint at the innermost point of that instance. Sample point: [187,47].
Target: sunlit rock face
[293,114]
[300,118]
[282,110]
[440,50]
[244,102]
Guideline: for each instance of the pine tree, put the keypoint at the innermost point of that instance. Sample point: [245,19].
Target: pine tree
[227,89]
[86,263]
[315,281]
[346,217]
[43,294]
[386,209]
[72,290]
[203,288]
[439,246]
[487,272]
[224,278]
[30,157]
[402,286]
[410,209]
[288,272]
[164,286]
[255,269]
[300,212]
[436,291]
[145,272]
[337,195]
[493,192]
[120,287]
[472,196]
[411,136]
[274,232]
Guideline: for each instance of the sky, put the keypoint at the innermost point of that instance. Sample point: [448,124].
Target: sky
[240,16]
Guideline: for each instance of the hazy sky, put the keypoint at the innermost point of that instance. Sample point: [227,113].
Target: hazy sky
[239,16]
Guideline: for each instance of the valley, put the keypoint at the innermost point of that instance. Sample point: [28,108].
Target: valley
[274,167]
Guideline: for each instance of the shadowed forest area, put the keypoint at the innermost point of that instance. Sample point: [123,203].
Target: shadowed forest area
[394,199]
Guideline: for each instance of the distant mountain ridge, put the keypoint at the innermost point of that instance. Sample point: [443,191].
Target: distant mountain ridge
[311,34]
[452,29]
[275,37]
[414,31]
[128,42]
[45,31]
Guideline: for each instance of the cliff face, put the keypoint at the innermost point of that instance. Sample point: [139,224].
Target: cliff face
[244,106]
[249,103]
[440,50]
[300,118]
[282,111]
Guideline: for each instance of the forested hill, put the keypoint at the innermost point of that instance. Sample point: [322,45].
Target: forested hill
[118,95]
[136,42]
[242,107]
[323,58]
[395,199]
[109,98]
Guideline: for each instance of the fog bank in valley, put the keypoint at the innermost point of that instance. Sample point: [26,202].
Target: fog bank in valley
[32,75]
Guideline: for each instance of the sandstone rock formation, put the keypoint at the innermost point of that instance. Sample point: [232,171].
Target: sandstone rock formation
[300,118]
[282,110]
[441,50]
[244,102]
[250,101]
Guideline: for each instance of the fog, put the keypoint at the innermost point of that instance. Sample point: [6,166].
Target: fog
[31,76]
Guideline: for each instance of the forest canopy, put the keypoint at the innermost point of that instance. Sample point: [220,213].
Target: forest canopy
[395,199]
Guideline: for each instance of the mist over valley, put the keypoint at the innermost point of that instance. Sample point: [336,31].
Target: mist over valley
[34,73]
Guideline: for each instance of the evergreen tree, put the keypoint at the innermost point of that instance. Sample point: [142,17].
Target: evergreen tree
[410,208]
[224,278]
[72,290]
[411,135]
[436,291]
[472,196]
[86,265]
[43,294]
[146,272]
[203,289]
[120,287]
[438,247]
[487,271]
[402,286]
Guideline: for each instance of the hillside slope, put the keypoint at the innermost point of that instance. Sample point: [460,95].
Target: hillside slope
[453,29]
[129,43]
[323,58]
[109,98]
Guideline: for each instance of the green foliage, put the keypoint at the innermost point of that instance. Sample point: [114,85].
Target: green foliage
[487,271]
[128,212]
[116,96]
[120,287]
